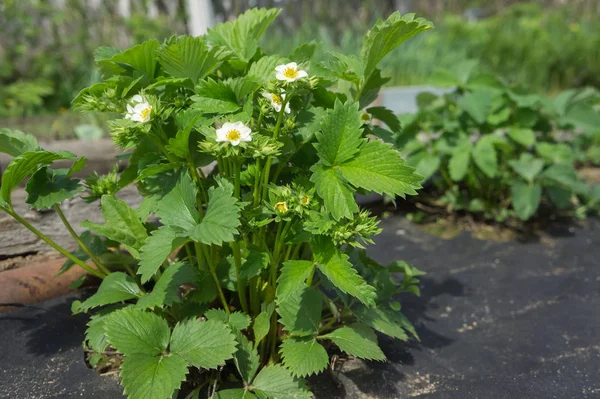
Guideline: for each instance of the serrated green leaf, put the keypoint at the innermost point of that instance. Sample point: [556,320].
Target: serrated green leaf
[555,153]
[27,164]
[116,287]
[386,116]
[337,195]
[263,70]
[132,332]
[293,275]
[383,320]
[277,382]
[140,58]
[356,340]
[565,176]
[527,166]
[246,358]
[122,224]
[341,134]
[256,261]
[300,312]
[526,199]
[221,220]
[387,35]
[459,161]
[190,57]
[178,207]
[47,187]
[239,321]
[428,165]
[242,35]
[203,344]
[146,376]
[156,249]
[371,88]
[215,97]
[484,155]
[15,142]
[167,290]
[237,393]
[379,168]
[523,136]
[334,264]
[304,356]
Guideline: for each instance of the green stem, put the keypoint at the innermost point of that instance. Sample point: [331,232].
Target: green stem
[256,193]
[270,159]
[77,239]
[213,273]
[54,245]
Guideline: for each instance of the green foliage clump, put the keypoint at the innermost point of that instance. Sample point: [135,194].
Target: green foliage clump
[491,149]
[251,165]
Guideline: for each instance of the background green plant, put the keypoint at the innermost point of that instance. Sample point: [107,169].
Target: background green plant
[259,264]
[492,149]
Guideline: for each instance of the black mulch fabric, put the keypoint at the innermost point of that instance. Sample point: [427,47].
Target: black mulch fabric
[496,320]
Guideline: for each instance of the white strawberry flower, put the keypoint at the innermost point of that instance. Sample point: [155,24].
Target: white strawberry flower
[234,133]
[289,72]
[139,109]
[277,100]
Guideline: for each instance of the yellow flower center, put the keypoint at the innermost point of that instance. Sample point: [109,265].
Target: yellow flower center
[146,112]
[276,99]
[305,200]
[290,73]
[281,206]
[365,117]
[233,135]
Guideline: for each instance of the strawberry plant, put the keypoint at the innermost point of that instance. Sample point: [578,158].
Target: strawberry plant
[492,149]
[250,163]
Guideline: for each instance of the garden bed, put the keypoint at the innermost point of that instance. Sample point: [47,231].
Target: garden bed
[496,319]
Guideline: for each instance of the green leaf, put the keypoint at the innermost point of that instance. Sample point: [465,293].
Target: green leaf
[277,382]
[356,340]
[262,325]
[428,165]
[221,220]
[385,321]
[564,176]
[300,312]
[205,344]
[167,290]
[15,142]
[215,97]
[484,155]
[122,224]
[459,161]
[256,261]
[190,57]
[140,58]
[242,35]
[386,116]
[51,186]
[334,264]
[116,287]
[178,207]
[555,153]
[132,332]
[341,134]
[239,321]
[146,376]
[237,393]
[156,249]
[27,164]
[304,356]
[526,199]
[387,35]
[584,117]
[527,166]
[293,275]
[523,136]
[477,104]
[379,168]
[263,70]
[338,197]
[246,358]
